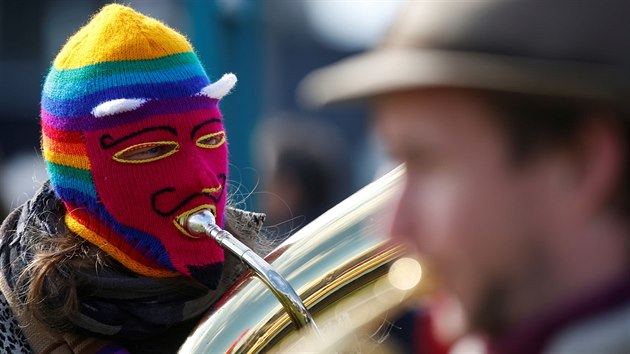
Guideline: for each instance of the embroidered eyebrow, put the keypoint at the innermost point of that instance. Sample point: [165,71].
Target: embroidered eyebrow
[198,126]
[107,141]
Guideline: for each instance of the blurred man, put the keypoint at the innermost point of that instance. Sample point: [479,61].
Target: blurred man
[512,120]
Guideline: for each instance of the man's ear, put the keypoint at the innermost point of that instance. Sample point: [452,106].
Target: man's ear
[120,105]
[219,88]
[601,158]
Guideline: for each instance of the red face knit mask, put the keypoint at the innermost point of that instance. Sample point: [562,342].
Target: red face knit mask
[133,139]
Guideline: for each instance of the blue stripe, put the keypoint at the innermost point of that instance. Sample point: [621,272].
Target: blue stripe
[74,196]
[141,241]
[59,87]
[72,184]
[84,105]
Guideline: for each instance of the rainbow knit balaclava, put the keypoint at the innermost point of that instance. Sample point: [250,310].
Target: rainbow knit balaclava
[133,138]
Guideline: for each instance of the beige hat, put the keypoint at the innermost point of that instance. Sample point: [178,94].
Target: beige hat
[567,48]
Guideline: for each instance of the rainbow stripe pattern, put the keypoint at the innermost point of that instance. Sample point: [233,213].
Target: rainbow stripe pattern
[118,54]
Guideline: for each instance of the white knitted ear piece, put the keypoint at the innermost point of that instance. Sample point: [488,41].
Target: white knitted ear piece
[120,105]
[220,88]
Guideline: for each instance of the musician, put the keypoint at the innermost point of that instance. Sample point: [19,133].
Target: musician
[133,139]
[512,120]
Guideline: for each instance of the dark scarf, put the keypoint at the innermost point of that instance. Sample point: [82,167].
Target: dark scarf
[114,303]
[533,336]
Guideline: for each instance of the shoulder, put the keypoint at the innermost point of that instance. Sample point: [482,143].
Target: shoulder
[44,210]
[605,334]
[239,219]
[247,227]
[12,340]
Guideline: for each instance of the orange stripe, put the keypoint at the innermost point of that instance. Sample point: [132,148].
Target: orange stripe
[121,257]
[63,147]
[81,162]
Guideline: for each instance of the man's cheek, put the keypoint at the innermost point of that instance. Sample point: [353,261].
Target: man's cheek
[444,215]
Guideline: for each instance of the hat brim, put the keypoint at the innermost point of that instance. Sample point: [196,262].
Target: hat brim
[385,71]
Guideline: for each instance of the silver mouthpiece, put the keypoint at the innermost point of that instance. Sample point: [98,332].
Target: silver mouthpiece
[204,222]
[199,222]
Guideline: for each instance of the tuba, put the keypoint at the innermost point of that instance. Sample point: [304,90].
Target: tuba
[343,271]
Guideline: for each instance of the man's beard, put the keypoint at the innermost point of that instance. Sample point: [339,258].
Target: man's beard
[489,316]
[504,296]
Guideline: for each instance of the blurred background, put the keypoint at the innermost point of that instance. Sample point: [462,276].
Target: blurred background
[287,161]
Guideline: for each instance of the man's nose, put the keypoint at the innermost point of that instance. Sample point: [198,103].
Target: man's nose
[404,222]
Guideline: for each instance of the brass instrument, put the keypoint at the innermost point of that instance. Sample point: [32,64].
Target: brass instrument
[339,267]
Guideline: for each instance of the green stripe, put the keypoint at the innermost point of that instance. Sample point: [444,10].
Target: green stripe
[123,67]
[76,173]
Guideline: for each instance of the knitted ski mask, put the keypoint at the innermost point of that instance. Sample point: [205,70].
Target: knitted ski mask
[133,138]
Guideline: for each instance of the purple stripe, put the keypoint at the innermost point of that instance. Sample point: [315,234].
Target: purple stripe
[81,106]
[150,108]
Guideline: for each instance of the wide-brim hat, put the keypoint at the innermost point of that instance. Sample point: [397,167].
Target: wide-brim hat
[573,49]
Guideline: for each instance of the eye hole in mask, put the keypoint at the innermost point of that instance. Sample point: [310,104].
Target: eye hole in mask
[146,152]
[211,141]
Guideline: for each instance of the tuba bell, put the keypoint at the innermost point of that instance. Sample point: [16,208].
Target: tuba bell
[343,268]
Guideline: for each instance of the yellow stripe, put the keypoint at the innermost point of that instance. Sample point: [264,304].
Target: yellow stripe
[78,228]
[81,162]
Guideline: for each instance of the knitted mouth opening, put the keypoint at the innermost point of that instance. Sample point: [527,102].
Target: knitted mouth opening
[181,220]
